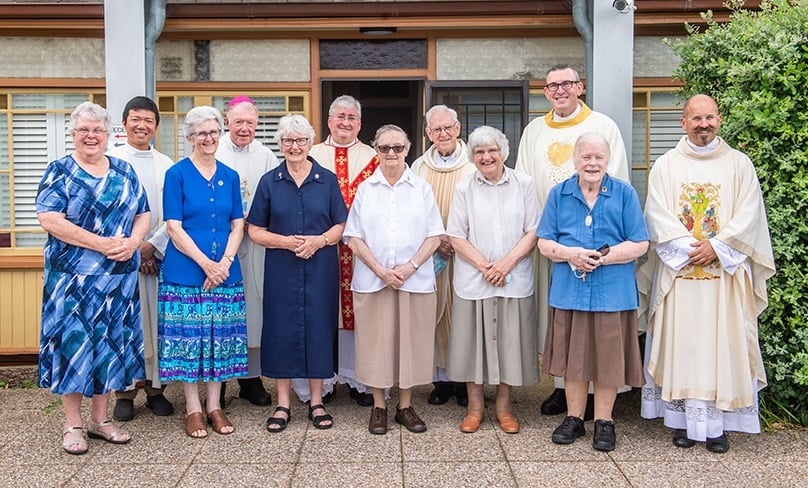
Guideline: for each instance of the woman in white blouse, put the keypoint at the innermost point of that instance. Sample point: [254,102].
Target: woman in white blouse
[393,228]
[492,226]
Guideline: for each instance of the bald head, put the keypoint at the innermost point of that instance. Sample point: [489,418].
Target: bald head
[701,120]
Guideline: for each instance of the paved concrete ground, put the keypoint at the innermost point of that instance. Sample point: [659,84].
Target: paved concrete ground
[160,454]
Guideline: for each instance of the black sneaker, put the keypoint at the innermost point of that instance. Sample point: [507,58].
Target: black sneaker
[604,438]
[569,430]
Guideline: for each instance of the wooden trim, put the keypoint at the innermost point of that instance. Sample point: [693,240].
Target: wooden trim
[346,74]
[22,261]
[315,78]
[19,356]
[76,84]
[193,87]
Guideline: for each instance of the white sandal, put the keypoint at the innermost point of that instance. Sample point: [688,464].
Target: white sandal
[74,436]
[117,436]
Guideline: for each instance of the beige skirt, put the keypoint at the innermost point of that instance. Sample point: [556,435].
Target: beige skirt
[594,346]
[394,335]
[493,341]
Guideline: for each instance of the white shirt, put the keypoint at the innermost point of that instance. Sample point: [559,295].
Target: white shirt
[493,217]
[394,221]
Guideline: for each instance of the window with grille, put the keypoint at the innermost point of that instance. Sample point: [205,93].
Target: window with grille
[33,132]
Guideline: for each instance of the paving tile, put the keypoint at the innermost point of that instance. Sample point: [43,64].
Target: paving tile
[35,476]
[354,444]
[445,443]
[120,474]
[457,474]
[155,446]
[672,474]
[770,473]
[251,446]
[568,474]
[347,475]
[535,445]
[265,475]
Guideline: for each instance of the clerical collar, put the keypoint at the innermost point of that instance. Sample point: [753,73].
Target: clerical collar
[558,118]
[445,161]
[336,144]
[704,149]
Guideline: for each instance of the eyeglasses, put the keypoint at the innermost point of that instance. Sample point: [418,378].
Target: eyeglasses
[398,149]
[478,153]
[698,119]
[566,84]
[300,141]
[202,135]
[84,132]
[446,128]
[343,118]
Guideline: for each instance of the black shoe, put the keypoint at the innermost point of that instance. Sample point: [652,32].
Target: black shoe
[718,444]
[252,390]
[589,411]
[604,438]
[441,394]
[362,399]
[330,395]
[569,430]
[555,404]
[124,410]
[680,439]
[378,421]
[159,405]
[462,394]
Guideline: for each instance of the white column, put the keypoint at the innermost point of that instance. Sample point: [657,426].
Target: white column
[613,63]
[125,57]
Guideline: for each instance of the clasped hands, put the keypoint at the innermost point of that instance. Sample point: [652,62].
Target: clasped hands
[496,272]
[216,272]
[120,248]
[586,260]
[395,277]
[304,247]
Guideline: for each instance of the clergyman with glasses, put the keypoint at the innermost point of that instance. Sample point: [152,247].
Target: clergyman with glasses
[546,154]
[443,165]
[201,321]
[298,215]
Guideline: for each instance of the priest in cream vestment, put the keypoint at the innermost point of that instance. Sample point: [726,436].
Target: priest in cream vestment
[706,284]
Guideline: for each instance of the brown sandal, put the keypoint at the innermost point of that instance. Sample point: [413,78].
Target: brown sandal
[194,423]
[219,421]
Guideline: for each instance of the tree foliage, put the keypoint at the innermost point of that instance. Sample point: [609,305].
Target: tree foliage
[756,67]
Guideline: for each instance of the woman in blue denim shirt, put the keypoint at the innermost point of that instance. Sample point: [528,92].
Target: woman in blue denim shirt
[592,230]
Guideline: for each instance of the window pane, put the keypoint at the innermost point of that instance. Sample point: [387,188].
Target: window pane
[51,101]
[498,107]
[5,202]
[3,141]
[31,239]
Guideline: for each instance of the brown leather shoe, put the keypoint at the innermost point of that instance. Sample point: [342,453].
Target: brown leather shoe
[378,421]
[471,423]
[409,419]
[508,423]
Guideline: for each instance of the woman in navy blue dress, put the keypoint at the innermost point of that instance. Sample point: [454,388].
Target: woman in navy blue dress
[298,214]
[96,214]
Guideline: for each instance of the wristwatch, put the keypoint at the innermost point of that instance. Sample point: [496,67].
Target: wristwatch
[230,258]
[412,263]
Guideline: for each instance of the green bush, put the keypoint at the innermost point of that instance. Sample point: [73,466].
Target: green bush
[756,67]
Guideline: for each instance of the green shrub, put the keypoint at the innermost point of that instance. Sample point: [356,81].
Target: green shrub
[756,67]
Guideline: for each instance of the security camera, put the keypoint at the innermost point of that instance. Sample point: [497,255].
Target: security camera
[623,6]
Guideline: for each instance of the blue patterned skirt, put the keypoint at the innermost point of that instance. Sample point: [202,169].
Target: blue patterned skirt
[201,335]
[91,339]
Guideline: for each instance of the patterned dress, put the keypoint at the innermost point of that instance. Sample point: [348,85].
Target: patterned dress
[202,335]
[91,339]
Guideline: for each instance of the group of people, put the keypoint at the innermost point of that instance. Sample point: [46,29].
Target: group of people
[341,264]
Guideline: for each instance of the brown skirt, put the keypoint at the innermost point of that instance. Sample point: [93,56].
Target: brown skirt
[394,336]
[601,347]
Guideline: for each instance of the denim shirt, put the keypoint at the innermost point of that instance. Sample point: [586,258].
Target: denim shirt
[616,217]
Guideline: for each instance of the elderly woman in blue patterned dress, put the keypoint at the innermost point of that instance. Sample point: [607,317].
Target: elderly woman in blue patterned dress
[96,214]
[201,328]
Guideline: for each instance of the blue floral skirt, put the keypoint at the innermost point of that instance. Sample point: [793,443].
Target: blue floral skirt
[201,335]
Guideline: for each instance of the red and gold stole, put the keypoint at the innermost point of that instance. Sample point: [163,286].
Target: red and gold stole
[348,189]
